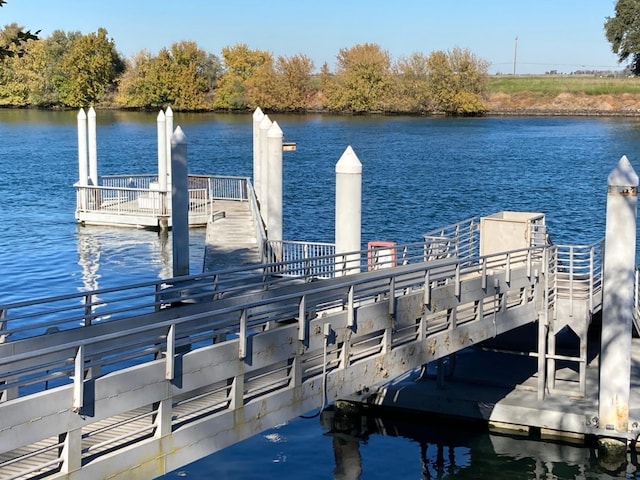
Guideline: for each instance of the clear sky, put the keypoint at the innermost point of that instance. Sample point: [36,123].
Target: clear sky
[562,35]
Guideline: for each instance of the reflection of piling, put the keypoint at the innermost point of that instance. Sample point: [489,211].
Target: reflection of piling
[618,299]
[348,212]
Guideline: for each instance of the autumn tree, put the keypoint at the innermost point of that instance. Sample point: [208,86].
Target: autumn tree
[240,64]
[362,81]
[457,81]
[183,76]
[623,33]
[284,86]
[411,88]
[87,70]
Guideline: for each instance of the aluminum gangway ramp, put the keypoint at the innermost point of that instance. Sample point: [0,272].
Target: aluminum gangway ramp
[136,395]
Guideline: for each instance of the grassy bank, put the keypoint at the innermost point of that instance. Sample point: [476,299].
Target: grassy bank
[557,84]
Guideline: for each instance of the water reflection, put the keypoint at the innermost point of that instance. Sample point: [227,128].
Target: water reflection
[112,252]
[446,449]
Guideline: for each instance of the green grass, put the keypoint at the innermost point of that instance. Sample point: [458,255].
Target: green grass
[554,85]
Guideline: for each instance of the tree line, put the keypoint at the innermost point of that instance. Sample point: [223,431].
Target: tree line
[71,69]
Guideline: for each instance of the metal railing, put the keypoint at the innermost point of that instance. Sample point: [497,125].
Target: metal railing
[576,273]
[154,345]
[459,240]
[140,195]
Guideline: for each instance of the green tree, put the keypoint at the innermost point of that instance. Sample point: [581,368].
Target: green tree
[362,82]
[241,64]
[623,32]
[88,70]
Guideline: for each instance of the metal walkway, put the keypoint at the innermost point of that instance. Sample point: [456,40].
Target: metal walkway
[137,381]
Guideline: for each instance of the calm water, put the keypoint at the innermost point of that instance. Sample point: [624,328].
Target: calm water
[418,174]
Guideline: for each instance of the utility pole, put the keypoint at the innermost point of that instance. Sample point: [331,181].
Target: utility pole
[515,57]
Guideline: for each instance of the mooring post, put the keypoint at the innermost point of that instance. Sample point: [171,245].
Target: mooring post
[257,119]
[83,170]
[618,297]
[274,188]
[348,212]
[263,180]
[162,161]
[168,115]
[93,147]
[180,203]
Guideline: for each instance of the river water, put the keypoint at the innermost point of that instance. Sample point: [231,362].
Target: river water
[418,174]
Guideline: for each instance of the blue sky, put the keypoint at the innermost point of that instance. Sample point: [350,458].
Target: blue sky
[563,35]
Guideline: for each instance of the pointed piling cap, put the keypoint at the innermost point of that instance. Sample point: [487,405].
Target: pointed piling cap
[92,113]
[623,175]
[349,162]
[258,115]
[81,114]
[161,117]
[265,124]
[178,137]
[274,131]
[169,112]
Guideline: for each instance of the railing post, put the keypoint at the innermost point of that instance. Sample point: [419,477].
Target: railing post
[571,274]
[88,307]
[3,325]
[302,321]
[169,369]
[71,453]
[507,273]
[350,307]
[242,335]
[78,380]
[543,322]
[427,289]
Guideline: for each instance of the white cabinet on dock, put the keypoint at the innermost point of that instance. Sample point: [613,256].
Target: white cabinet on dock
[507,230]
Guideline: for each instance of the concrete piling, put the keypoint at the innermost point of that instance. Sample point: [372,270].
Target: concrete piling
[263,180]
[83,171]
[93,146]
[274,187]
[180,203]
[618,297]
[258,116]
[168,114]
[348,219]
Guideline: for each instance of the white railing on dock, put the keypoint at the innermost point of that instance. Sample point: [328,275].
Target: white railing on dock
[139,196]
[576,274]
[459,240]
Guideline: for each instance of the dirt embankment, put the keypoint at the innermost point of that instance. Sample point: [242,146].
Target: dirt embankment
[626,104]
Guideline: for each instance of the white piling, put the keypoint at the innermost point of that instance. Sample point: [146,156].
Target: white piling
[257,119]
[618,297]
[263,178]
[83,174]
[168,114]
[274,187]
[93,147]
[180,203]
[348,212]
[162,151]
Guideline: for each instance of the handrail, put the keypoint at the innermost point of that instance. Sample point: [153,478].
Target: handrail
[258,224]
[376,282]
